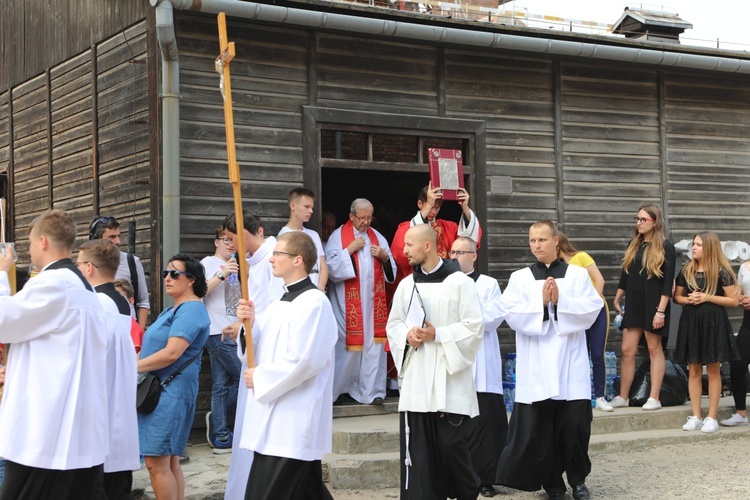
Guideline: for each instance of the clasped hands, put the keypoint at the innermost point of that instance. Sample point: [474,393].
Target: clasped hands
[696,297]
[418,336]
[550,292]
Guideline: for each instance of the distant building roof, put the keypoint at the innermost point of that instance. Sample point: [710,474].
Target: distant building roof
[639,23]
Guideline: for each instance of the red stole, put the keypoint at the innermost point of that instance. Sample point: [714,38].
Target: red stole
[443,245]
[355,332]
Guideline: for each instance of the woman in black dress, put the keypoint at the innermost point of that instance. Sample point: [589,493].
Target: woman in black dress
[646,280]
[705,287]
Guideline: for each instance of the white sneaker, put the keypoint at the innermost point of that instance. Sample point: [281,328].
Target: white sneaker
[619,402]
[710,425]
[734,420]
[603,405]
[651,405]
[693,424]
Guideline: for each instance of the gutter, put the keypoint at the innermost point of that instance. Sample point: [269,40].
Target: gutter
[170,109]
[462,37]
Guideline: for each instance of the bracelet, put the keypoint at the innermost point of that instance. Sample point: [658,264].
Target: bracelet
[660,314]
[661,311]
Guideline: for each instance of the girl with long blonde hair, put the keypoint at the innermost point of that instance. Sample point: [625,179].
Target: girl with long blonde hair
[646,280]
[705,287]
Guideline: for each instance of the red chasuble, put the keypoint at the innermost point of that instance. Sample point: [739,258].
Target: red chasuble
[355,332]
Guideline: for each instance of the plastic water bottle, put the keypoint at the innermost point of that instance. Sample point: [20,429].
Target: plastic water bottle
[509,395]
[233,278]
[509,369]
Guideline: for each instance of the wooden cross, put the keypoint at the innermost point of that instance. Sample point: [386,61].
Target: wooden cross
[222,67]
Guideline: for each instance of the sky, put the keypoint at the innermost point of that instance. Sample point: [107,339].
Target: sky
[723,19]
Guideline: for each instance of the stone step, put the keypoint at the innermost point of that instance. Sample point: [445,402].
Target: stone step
[362,471]
[389,406]
[640,440]
[633,419]
[369,434]
[365,448]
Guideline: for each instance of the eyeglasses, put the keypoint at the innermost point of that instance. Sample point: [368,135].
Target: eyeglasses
[87,262]
[460,252]
[367,218]
[642,220]
[174,274]
[277,253]
[226,241]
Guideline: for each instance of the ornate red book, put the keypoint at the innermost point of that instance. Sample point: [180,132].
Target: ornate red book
[446,171]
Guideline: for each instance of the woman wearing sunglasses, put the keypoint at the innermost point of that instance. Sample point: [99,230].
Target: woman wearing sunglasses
[174,340]
[646,281]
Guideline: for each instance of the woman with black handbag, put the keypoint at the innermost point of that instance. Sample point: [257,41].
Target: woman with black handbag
[173,345]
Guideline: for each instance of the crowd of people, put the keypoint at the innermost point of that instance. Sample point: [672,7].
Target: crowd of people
[325,320]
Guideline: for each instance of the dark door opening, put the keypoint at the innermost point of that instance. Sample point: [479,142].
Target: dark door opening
[392,193]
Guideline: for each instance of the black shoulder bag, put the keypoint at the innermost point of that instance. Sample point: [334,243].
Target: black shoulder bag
[149,389]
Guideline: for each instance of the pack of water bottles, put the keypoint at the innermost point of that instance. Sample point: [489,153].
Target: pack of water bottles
[509,381]
[610,375]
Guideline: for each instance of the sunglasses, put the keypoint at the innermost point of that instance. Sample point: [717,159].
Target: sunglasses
[174,274]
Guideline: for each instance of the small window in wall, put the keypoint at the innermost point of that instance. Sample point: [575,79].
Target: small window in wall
[442,143]
[395,148]
[388,147]
[343,145]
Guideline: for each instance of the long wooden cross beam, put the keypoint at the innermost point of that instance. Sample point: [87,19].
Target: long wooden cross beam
[222,67]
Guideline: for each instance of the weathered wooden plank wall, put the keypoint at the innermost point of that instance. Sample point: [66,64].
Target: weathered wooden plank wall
[4,132]
[38,34]
[708,156]
[80,140]
[367,75]
[269,87]
[30,161]
[123,131]
[514,97]
[610,132]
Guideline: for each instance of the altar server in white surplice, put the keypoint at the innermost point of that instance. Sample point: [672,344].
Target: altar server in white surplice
[359,265]
[289,414]
[549,305]
[263,288]
[489,430]
[98,261]
[434,363]
[54,408]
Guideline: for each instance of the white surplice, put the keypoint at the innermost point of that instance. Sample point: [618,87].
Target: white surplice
[290,409]
[438,375]
[54,409]
[488,369]
[470,230]
[552,360]
[264,288]
[122,374]
[361,374]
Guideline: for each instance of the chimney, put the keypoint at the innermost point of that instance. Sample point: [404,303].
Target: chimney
[651,26]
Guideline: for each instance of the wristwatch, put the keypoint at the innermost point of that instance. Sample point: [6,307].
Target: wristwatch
[219,275]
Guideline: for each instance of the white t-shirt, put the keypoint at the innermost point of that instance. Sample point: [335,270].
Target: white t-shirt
[221,303]
[315,274]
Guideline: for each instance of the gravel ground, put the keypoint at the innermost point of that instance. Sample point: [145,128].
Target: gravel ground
[717,469]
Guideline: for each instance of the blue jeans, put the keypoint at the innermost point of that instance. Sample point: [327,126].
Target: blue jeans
[596,341]
[225,371]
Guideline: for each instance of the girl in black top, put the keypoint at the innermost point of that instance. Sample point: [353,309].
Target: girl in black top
[705,287]
[646,281]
